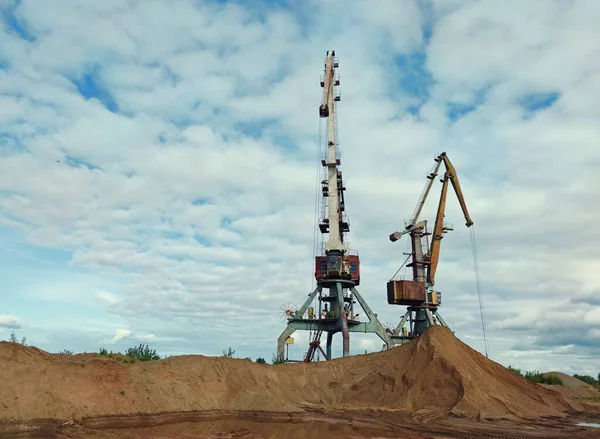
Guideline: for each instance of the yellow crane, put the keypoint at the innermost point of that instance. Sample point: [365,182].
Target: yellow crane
[417,293]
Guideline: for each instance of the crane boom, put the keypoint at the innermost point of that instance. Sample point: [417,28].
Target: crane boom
[451,172]
[439,229]
[327,109]
[432,174]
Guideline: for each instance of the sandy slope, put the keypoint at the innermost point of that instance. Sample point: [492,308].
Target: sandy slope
[431,377]
[577,390]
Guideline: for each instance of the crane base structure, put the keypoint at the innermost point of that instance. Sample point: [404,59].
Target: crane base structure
[418,318]
[335,314]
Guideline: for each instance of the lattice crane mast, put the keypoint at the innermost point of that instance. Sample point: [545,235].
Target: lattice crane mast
[418,293]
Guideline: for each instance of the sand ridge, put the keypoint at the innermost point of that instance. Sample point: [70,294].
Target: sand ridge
[435,376]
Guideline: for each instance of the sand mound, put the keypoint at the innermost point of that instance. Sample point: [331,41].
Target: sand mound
[576,389]
[568,380]
[433,376]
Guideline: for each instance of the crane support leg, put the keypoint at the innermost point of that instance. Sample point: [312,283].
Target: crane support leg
[402,322]
[329,340]
[429,317]
[374,325]
[287,332]
[439,317]
[309,300]
[343,320]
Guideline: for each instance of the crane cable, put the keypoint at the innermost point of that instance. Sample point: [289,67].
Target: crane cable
[478,283]
[316,217]
[316,211]
[401,267]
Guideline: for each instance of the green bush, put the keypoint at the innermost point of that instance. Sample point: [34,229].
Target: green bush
[261,360]
[515,370]
[540,378]
[588,379]
[277,360]
[537,377]
[142,353]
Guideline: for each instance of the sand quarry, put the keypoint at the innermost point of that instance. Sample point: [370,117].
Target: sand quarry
[433,387]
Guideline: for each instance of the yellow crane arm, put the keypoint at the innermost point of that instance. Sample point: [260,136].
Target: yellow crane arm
[451,172]
[439,229]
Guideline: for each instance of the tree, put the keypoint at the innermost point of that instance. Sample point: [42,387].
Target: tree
[261,360]
[13,339]
[229,353]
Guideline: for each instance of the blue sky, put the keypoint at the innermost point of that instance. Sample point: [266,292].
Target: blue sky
[159,165]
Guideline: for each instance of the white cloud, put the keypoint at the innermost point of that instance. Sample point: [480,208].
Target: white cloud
[194,197]
[123,335]
[120,335]
[9,321]
[146,337]
[108,297]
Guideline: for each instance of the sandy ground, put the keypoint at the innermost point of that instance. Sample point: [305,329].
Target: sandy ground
[345,424]
[435,381]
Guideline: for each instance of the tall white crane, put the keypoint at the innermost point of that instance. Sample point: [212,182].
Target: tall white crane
[337,272]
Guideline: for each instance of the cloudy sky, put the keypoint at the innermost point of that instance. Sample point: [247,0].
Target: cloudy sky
[159,160]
